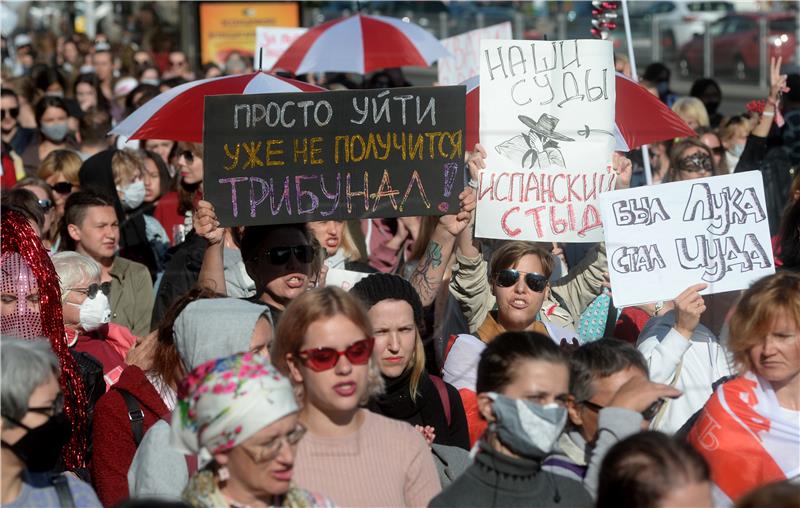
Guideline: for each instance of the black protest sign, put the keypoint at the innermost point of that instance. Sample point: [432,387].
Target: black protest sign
[298,157]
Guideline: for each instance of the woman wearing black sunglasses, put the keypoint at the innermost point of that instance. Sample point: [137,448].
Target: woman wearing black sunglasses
[358,458]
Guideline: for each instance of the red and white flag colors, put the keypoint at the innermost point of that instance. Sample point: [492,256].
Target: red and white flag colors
[639,117]
[177,114]
[361,44]
[747,438]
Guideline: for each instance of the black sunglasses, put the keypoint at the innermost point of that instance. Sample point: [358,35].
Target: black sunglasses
[188,155]
[92,290]
[508,277]
[56,409]
[14,112]
[45,205]
[648,414]
[719,150]
[62,187]
[280,255]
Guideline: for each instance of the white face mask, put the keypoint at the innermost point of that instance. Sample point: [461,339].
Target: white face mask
[737,149]
[94,312]
[133,195]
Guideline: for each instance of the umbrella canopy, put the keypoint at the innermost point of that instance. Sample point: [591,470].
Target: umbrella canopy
[177,114]
[361,44]
[640,118]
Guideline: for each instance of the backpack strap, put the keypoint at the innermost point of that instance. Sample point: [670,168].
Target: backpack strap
[563,464]
[441,387]
[135,415]
[64,494]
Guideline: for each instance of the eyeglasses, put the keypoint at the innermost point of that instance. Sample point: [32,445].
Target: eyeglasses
[648,414]
[92,290]
[280,255]
[696,163]
[178,63]
[13,112]
[62,187]
[326,358]
[271,449]
[45,205]
[56,408]
[188,155]
[508,277]
[718,150]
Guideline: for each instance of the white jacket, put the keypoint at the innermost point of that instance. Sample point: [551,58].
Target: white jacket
[691,366]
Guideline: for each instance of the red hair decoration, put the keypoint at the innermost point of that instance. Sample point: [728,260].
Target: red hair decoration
[17,235]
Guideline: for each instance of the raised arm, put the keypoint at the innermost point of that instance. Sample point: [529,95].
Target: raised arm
[206,225]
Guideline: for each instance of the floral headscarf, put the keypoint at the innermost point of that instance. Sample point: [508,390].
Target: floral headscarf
[225,401]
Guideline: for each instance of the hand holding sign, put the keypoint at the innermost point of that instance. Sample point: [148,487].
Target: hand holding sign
[455,224]
[476,162]
[206,224]
[689,306]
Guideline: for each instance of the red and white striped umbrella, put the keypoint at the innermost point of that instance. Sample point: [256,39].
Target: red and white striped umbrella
[361,44]
[640,118]
[177,114]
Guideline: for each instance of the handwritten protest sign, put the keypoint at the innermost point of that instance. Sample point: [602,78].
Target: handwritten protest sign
[271,42]
[547,123]
[344,279]
[662,239]
[466,48]
[298,157]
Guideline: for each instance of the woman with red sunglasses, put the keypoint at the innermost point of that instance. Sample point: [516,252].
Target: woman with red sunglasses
[358,458]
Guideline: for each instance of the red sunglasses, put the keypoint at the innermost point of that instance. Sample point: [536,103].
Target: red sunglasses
[326,358]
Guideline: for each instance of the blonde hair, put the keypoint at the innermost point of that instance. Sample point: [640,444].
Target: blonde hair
[66,162]
[310,307]
[731,126]
[693,108]
[348,246]
[126,166]
[417,366]
[756,312]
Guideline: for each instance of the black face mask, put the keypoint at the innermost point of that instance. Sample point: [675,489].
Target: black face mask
[40,448]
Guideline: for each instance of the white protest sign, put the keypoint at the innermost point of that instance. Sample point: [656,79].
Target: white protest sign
[547,123]
[465,48]
[344,279]
[662,239]
[271,42]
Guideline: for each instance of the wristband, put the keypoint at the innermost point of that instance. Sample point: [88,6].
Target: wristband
[768,113]
[473,183]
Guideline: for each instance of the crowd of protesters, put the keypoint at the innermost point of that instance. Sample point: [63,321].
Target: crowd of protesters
[151,357]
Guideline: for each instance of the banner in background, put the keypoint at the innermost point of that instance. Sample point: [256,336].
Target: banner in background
[547,123]
[662,239]
[227,27]
[271,42]
[351,154]
[466,49]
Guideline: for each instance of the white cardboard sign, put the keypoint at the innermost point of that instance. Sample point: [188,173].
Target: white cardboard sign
[271,42]
[547,123]
[344,279]
[662,239]
[466,48]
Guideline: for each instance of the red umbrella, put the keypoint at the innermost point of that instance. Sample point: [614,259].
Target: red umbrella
[640,118]
[177,114]
[361,44]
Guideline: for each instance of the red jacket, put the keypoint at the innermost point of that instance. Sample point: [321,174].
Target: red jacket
[112,436]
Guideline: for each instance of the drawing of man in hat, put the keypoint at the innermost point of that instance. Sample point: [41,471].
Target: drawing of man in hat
[538,148]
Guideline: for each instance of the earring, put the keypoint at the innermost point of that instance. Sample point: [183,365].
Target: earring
[223,475]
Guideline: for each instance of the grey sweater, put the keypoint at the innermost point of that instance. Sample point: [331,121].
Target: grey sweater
[498,480]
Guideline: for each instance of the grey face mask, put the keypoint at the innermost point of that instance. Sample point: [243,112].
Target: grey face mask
[55,131]
[527,428]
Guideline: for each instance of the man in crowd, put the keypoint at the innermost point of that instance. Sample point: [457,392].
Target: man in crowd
[14,134]
[610,399]
[91,228]
[94,127]
[103,63]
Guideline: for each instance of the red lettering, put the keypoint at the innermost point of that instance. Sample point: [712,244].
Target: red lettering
[557,226]
[555,182]
[504,223]
[537,220]
[591,220]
